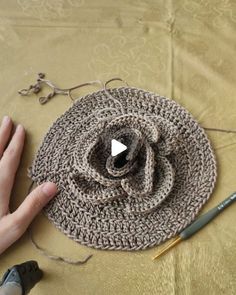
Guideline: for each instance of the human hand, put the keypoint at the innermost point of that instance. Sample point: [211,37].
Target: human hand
[13,225]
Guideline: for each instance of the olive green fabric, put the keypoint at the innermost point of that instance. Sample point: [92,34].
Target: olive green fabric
[180,49]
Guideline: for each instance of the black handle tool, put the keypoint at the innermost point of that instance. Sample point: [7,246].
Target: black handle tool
[20,279]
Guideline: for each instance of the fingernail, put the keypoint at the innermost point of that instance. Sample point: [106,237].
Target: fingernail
[6,120]
[19,127]
[49,189]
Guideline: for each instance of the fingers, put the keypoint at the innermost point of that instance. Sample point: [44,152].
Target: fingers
[12,226]
[34,203]
[8,167]
[7,233]
[5,132]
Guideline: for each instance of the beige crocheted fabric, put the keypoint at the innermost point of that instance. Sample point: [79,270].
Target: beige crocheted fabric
[139,198]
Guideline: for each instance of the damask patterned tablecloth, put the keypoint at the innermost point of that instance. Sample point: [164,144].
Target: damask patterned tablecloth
[183,49]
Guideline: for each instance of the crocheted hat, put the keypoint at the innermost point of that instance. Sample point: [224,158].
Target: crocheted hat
[139,198]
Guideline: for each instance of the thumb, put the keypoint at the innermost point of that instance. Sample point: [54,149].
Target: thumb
[34,203]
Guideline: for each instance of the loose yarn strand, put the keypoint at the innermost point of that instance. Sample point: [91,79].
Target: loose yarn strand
[220,130]
[67,91]
[213,129]
[82,85]
[55,257]
[46,253]
[110,96]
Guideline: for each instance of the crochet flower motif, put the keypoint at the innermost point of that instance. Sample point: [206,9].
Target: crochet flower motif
[139,198]
[141,177]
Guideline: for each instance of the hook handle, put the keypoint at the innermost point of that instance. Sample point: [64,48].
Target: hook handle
[207,217]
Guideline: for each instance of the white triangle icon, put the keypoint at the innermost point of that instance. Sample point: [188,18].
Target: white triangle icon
[117,147]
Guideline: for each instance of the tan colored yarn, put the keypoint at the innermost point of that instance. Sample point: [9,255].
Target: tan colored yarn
[139,198]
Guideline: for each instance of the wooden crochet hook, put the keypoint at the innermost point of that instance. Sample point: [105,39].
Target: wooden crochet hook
[198,224]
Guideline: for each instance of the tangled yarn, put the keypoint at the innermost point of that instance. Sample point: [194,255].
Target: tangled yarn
[139,198]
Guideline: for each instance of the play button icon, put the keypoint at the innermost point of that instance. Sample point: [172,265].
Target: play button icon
[117,147]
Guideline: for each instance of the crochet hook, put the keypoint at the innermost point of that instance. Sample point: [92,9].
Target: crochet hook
[199,224]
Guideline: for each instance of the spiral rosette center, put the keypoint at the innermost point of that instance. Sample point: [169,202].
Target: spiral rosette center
[135,175]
